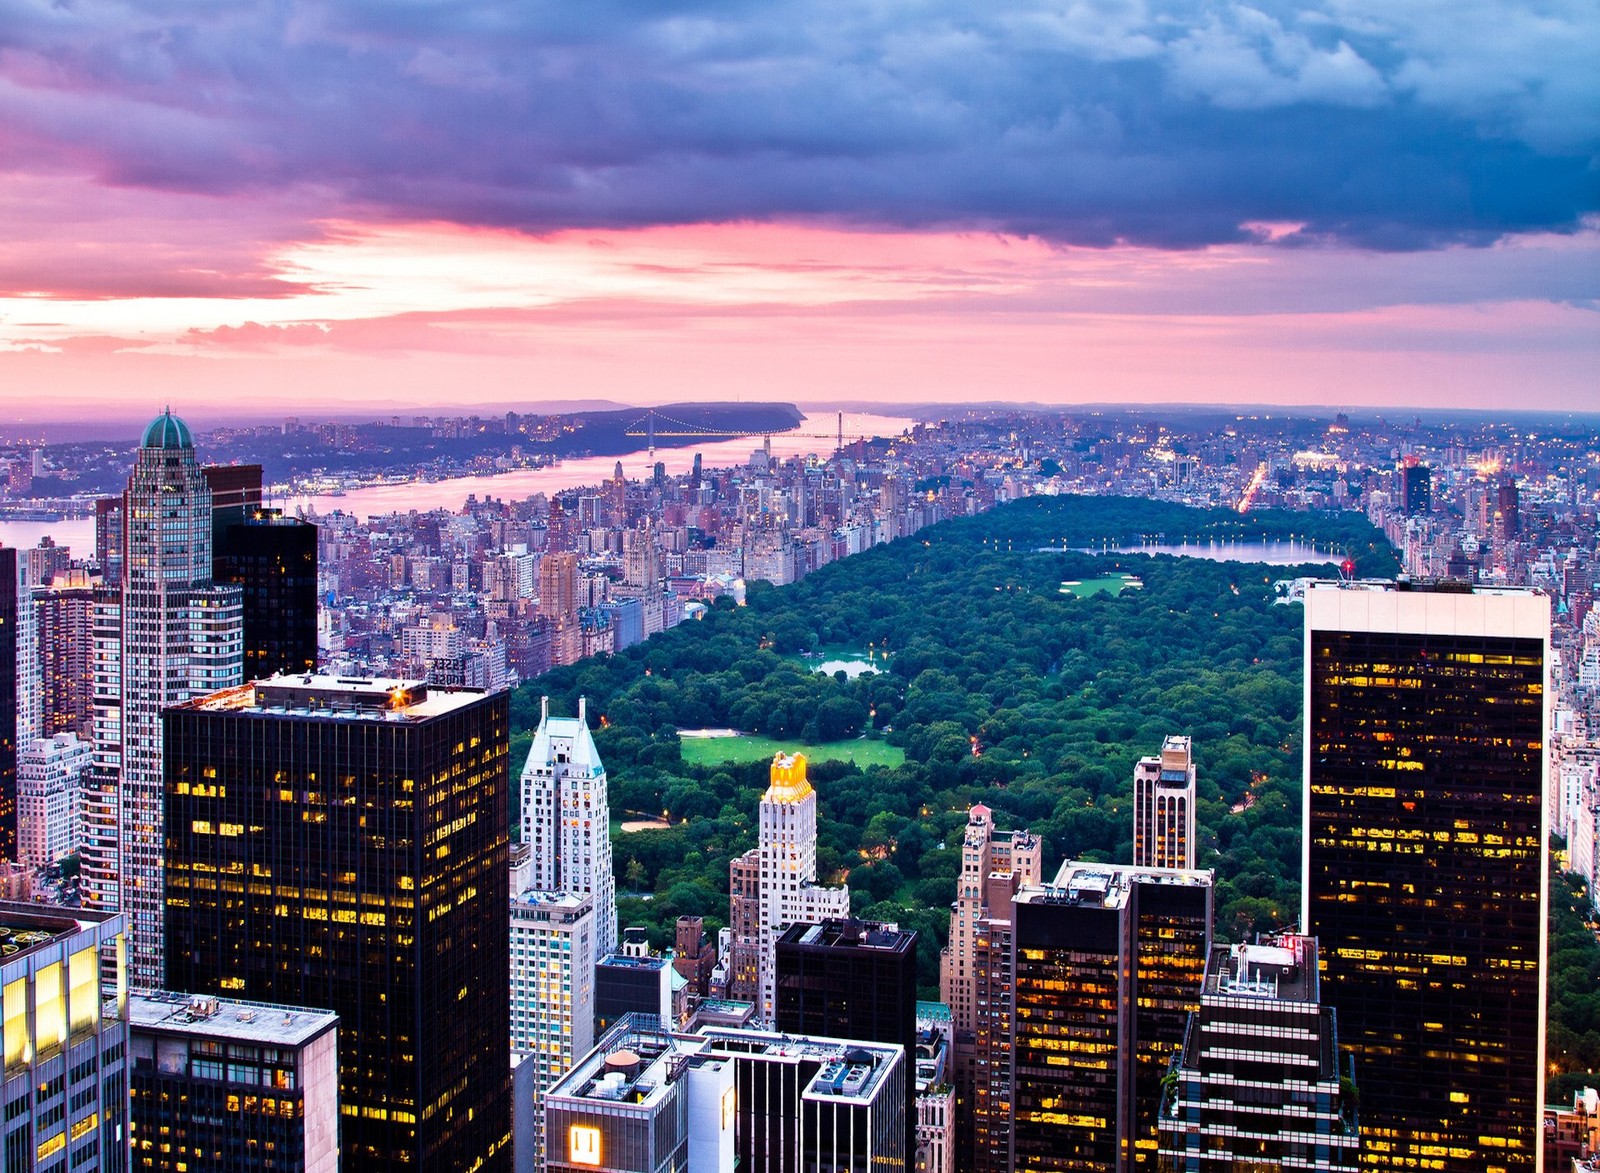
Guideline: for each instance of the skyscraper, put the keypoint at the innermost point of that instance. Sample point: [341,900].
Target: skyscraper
[342,843]
[232,1087]
[1426,721]
[178,635]
[994,864]
[13,599]
[566,818]
[851,979]
[65,1040]
[809,1102]
[636,981]
[552,990]
[273,561]
[1163,807]
[1261,1081]
[49,787]
[1107,965]
[784,866]
[1416,488]
[65,609]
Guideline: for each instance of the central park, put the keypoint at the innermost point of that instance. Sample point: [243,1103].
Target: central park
[1003,671]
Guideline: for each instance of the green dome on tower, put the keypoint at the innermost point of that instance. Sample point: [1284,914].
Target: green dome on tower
[167,431]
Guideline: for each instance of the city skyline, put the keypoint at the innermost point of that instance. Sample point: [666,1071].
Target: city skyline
[1022,651]
[1336,203]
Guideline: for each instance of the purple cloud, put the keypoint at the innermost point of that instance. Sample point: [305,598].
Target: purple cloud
[1087,121]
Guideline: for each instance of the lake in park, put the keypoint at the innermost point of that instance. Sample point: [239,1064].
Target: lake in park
[851,661]
[1276,552]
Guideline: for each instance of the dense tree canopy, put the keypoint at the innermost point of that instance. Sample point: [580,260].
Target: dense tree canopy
[1001,686]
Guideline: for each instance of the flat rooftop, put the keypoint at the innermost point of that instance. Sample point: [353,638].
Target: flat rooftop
[1280,969]
[27,927]
[623,961]
[1107,885]
[849,1069]
[375,698]
[634,1063]
[208,1017]
[850,934]
[1438,586]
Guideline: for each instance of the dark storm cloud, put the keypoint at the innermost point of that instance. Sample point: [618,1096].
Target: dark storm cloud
[1085,121]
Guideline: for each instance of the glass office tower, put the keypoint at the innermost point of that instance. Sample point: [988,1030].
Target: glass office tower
[1426,715]
[343,844]
[1107,966]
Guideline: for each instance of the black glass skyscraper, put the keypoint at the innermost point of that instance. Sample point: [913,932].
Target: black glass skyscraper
[851,979]
[1107,965]
[1424,862]
[1416,489]
[343,844]
[273,560]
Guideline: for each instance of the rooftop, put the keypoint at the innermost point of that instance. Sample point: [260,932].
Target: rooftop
[634,1063]
[1438,586]
[209,1017]
[788,779]
[27,927]
[850,934]
[347,697]
[167,431]
[568,906]
[1280,969]
[623,961]
[1106,885]
[849,1069]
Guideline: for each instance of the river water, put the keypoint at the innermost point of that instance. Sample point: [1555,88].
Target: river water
[816,434]
[77,532]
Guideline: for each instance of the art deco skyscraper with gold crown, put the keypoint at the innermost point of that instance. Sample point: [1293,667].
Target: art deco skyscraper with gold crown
[774,884]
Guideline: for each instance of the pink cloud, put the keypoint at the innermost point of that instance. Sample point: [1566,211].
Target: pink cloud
[65,240]
[434,314]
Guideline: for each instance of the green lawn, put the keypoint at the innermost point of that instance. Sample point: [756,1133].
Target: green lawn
[1106,584]
[713,751]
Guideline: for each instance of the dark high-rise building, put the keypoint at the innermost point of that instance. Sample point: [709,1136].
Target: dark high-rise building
[1416,489]
[343,844]
[1108,963]
[632,981]
[1261,1081]
[1426,721]
[232,1087]
[803,1102]
[1509,503]
[988,1150]
[851,979]
[235,494]
[273,560]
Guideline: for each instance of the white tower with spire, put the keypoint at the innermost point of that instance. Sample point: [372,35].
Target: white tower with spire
[566,818]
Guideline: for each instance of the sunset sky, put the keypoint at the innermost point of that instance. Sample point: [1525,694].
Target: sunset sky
[303,207]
